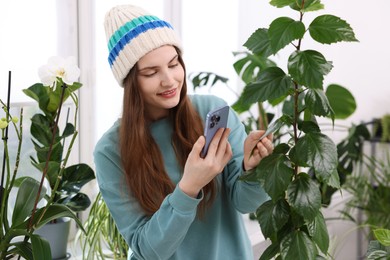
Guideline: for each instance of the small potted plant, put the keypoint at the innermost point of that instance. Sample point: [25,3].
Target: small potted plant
[63,198]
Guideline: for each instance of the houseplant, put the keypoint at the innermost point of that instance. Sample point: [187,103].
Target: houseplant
[370,190]
[30,211]
[380,247]
[304,165]
[101,239]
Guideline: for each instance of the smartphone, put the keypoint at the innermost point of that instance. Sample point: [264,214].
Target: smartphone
[215,119]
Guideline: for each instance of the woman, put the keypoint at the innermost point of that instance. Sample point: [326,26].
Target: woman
[167,201]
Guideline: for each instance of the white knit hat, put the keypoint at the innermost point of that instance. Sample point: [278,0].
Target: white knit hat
[131,33]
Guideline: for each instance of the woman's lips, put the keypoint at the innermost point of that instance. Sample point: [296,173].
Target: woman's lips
[168,94]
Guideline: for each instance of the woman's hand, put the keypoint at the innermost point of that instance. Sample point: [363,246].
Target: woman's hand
[200,171]
[260,149]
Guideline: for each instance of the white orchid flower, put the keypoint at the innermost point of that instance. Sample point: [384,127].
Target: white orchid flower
[61,68]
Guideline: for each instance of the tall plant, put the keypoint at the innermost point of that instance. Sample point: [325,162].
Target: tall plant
[292,218]
[304,166]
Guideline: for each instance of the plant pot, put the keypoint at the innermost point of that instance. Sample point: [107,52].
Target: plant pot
[57,235]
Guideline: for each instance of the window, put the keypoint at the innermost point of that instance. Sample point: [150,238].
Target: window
[28,40]
[108,92]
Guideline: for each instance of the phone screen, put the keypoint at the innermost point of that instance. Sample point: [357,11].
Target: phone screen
[214,120]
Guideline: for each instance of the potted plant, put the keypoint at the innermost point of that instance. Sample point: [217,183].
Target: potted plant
[64,197]
[305,162]
[101,239]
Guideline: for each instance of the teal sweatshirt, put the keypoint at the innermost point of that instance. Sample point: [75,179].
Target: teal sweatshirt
[174,231]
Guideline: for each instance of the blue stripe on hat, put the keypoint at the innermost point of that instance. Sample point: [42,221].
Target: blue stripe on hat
[128,27]
[132,34]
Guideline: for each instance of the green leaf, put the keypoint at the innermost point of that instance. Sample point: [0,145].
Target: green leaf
[25,199]
[271,83]
[206,79]
[341,100]
[276,174]
[53,212]
[317,102]
[39,93]
[383,236]
[77,202]
[76,176]
[40,247]
[54,100]
[23,249]
[250,65]
[69,130]
[240,106]
[43,152]
[309,5]
[72,88]
[41,129]
[298,245]
[259,43]
[318,151]
[289,104]
[282,31]
[281,3]
[308,127]
[281,148]
[377,251]
[350,149]
[270,252]
[318,231]
[304,196]
[334,180]
[272,217]
[329,29]
[308,68]
[53,169]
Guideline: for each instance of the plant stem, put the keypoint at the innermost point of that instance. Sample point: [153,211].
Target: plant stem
[65,161]
[20,140]
[54,131]
[295,123]
[5,157]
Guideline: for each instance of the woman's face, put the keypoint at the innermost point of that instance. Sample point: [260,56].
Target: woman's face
[160,78]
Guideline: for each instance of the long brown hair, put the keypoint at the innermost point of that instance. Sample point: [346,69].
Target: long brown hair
[141,158]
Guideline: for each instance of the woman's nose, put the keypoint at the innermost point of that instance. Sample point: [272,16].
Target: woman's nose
[167,79]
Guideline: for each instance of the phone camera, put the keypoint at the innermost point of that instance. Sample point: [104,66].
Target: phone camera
[214,120]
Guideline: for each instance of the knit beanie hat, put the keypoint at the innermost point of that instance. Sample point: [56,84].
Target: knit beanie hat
[131,33]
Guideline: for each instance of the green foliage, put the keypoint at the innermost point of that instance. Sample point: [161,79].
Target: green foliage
[304,169]
[370,190]
[17,234]
[101,232]
[49,143]
[380,248]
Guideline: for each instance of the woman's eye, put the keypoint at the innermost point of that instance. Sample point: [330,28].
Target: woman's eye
[149,74]
[173,65]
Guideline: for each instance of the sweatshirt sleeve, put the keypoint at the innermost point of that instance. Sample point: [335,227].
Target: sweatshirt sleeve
[155,237]
[245,196]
